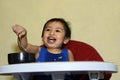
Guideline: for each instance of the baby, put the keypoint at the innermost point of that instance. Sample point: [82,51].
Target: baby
[56,33]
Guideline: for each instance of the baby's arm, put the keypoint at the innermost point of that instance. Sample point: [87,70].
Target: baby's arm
[71,57]
[23,44]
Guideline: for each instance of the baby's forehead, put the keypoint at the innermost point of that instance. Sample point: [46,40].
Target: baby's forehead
[55,24]
[59,22]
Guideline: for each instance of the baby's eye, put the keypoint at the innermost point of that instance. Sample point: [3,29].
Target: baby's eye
[58,30]
[47,29]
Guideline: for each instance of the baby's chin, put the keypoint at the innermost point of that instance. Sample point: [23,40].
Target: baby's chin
[53,47]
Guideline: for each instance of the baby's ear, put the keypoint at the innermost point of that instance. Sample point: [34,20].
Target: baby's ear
[66,40]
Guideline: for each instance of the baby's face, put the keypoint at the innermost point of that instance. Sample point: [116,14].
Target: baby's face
[54,35]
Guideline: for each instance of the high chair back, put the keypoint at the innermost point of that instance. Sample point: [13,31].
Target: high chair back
[83,51]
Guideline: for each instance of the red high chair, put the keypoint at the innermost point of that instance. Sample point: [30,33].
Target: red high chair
[84,52]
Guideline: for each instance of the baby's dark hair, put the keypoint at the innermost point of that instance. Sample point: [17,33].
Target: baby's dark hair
[65,24]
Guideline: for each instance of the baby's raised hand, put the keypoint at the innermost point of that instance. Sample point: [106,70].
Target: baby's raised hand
[19,30]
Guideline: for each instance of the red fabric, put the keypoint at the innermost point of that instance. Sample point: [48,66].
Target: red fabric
[84,52]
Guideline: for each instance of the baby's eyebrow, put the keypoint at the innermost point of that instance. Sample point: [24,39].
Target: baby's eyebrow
[59,28]
[47,27]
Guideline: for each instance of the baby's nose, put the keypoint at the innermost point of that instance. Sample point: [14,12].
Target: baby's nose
[52,32]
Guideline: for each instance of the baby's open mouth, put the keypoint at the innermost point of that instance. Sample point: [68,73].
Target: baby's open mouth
[51,39]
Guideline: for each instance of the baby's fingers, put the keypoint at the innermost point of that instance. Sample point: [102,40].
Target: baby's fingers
[21,34]
[18,29]
[15,28]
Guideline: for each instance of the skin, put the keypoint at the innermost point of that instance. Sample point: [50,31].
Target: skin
[53,38]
